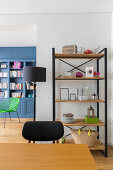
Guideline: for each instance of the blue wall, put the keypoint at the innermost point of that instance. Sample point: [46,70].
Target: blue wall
[26,55]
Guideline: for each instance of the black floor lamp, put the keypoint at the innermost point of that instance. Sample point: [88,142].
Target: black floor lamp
[34,74]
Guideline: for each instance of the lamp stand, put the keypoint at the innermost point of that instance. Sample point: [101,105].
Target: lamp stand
[34,114]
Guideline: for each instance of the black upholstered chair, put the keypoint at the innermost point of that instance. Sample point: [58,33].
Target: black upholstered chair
[43,130]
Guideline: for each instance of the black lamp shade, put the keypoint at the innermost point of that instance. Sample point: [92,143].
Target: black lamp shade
[34,74]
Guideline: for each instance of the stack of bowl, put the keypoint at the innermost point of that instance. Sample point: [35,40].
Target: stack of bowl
[68,118]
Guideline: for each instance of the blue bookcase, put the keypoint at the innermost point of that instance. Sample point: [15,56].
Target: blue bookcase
[11,78]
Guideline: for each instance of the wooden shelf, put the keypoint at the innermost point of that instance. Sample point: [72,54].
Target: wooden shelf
[79,78]
[81,122]
[78,56]
[15,77]
[16,89]
[82,101]
[98,144]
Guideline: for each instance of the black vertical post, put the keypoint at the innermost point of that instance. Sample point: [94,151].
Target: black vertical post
[34,114]
[53,78]
[98,94]
[105,64]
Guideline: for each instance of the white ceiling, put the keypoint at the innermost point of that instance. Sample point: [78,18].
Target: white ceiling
[54,6]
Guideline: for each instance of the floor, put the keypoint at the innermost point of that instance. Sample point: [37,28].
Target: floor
[13,134]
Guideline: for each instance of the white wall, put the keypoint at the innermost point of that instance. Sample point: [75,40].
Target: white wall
[54,6]
[18,35]
[56,30]
[112,82]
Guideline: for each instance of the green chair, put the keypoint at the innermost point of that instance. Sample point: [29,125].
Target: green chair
[10,105]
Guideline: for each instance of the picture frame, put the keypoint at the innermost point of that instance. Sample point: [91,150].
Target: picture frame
[64,93]
[17,65]
[72,97]
[89,71]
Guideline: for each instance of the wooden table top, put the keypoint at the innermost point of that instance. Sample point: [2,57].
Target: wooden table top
[45,157]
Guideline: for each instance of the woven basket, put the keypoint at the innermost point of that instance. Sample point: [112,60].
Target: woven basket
[83,137]
[69,49]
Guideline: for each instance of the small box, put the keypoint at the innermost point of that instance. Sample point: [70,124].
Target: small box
[91,119]
[17,65]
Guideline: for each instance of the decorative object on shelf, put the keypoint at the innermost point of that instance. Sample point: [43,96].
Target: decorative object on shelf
[81,50]
[69,49]
[90,111]
[29,86]
[68,118]
[72,96]
[89,72]
[95,50]
[64,93]
[62,140]
[30,95]
[88,91]
[89,118]
[17,65]
[34,74]
[88,51]
[79,74]
[77,93]
[96,74]
[94,96]
[68,74]
[82,98]
[84,136]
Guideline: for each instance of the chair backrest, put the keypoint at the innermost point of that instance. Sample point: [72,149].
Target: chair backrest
[43,130]
[13,104]
[10,105]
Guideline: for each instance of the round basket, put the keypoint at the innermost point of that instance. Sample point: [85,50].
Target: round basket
[84,137]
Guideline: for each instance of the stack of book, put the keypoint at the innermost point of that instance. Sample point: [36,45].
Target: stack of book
[16,86]
[3,94]
[3,66]
[3,85]
[17,95]
[3,74]
[16,73]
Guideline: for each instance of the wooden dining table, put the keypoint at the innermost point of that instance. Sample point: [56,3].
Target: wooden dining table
[45,157]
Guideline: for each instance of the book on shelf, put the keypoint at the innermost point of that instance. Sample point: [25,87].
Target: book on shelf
[16,73]
[3,94]
[3,66]
[16,95]
[14,86]
[3,85]
[3,74]
[29,86]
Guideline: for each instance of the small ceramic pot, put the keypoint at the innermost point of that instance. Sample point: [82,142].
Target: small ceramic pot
[67,74]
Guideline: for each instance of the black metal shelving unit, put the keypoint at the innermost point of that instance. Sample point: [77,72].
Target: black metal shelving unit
[97,57]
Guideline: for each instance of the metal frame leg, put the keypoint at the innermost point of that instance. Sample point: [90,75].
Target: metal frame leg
[18,117]
[5,120]
[105,65]
[29,141]
[10,116]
